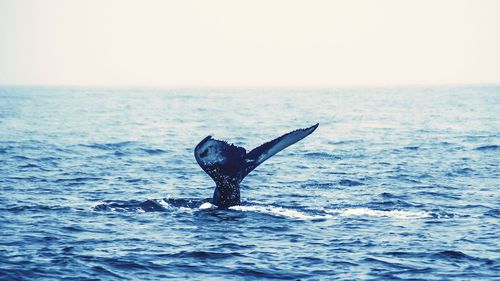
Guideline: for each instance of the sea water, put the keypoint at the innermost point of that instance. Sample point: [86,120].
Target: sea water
[395,184]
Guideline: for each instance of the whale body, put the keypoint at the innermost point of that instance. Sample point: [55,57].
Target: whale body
[228,164]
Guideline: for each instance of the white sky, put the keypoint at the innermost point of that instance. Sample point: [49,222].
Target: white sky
[249,43]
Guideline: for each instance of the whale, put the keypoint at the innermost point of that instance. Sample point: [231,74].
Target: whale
[228,164]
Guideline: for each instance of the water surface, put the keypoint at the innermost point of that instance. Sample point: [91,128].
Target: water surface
[395,184]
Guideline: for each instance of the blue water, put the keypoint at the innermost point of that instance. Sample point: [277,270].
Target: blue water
[395,184]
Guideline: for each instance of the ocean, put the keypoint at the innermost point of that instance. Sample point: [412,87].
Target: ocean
[397,183]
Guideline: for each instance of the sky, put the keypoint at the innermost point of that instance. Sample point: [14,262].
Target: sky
[257,43]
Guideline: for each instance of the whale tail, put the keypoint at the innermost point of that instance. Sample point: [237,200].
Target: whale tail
[227,163]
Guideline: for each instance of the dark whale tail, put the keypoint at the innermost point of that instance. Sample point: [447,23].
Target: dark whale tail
[228,164]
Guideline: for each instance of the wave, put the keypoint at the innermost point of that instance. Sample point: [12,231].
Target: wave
[322,155]
[28,166]
[493,213]
[488,148]
[326,185]
[202,255]
[411,147]
[451,255]
[78,179]
[344,142]
[347,182]
[150,205]
[280,212]
[397,214]
[126,148]
[331,213]
[153,151]
[166,205]
[108,146]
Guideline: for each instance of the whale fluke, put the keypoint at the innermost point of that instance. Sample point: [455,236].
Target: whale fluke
[228,164]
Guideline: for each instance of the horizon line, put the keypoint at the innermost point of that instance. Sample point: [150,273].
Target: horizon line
[337,86]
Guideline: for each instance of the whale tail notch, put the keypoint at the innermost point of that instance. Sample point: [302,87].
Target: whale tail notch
[230,163]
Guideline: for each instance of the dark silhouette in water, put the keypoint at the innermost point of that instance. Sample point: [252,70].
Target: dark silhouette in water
[228,164]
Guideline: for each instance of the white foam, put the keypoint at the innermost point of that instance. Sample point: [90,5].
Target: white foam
[279,211]
[398,214]
[294,214]
[97,204]
[300,215]
[207,205]
[164,204]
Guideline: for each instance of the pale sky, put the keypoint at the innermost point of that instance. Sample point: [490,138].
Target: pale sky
[249,43]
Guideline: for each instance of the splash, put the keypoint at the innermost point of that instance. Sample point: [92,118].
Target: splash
[328,214]
[187,205]
[280,211]
[206,206]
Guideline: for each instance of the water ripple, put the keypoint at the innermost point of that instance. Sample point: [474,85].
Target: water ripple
[396,184]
